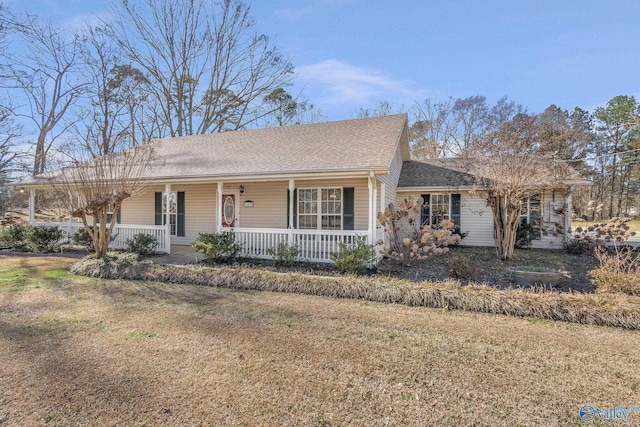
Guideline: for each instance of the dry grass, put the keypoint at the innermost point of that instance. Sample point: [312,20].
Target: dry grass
[602,309]
[77,351]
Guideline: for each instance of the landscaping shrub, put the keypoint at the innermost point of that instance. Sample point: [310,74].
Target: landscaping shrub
[44,238]
[407,240]
[353,258]
[584,240]
[82,238]
[142,244]
[619,271]
[608,310]
[218,247]
[284,254]
[460,266]
[523,236]
[14,236]
[114,265]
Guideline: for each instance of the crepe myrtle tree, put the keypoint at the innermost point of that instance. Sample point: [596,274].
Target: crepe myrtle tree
[97,188]
[508,168]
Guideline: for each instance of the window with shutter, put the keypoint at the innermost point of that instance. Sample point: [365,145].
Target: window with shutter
[176,211]
[323,208]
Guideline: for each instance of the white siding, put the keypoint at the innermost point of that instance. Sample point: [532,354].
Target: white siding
[200,209]
[139,209]
[269,208]
[475,218]
[391,179]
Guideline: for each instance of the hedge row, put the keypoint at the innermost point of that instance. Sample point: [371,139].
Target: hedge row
[594,309]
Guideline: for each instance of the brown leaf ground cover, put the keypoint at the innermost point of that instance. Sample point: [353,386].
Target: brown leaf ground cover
[78,351]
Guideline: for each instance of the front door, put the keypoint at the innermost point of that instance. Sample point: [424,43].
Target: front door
[228,210]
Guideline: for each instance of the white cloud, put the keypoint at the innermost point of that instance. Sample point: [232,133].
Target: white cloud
[335,82]
[310,10]
[79,22]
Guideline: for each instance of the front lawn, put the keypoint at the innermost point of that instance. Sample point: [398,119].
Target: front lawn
[78,351]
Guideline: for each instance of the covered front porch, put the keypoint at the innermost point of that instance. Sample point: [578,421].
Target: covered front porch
[315,214]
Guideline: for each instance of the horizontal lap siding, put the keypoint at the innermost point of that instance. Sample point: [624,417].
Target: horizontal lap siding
[475,216]
[477,220]
[391,179]
[269,208]
[269,204]
[200,211]
[140,208]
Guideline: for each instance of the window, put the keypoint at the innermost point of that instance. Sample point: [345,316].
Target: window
[440,207]
[531,216]
[331,208]
[173,211]
[320,208]
[308,208]
[110,209]
[176,211]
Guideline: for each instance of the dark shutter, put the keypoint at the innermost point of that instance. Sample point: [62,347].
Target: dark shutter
[158,209]
[180,225]
[347,208]
[455,209]
[118,215]
[295,208]
[426,210]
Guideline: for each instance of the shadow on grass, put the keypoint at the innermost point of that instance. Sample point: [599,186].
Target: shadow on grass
[62,379]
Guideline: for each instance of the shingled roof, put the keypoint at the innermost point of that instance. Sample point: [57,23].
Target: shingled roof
[339,146]
[432,173]
[451,173]
[347,145]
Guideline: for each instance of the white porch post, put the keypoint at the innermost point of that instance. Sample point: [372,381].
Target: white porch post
[383,202]
[219,207]
[567,214]
[372,207]
[32,205]
[292,187]
[167,216]
[70,209]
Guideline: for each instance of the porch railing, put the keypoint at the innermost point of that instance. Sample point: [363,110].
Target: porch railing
[314,245]
[121,232]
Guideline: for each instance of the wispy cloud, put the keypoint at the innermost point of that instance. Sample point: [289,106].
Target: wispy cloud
[79,22]
[335,82]
[311,9]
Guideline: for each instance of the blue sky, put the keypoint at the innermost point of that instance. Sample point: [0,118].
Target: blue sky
[352,53]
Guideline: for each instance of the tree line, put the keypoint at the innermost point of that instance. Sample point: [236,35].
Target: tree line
[153,69]
[603,145]
[161,68]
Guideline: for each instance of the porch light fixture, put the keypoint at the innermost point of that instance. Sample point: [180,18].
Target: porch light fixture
[242,189]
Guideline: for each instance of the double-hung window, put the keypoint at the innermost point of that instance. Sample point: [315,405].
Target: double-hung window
[176,211]
[320,208]
[532,215]
[173,211]
[439,207]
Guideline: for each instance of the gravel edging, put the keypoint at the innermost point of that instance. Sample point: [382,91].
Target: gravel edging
[593,309]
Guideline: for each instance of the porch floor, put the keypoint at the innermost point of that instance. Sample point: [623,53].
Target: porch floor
[180,255]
